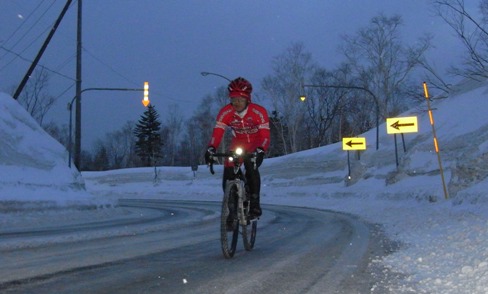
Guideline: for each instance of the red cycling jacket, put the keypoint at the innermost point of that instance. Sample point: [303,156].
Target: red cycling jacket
[250,128]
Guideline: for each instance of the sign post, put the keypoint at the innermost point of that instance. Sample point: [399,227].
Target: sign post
[349,144]
[436,145]
[401,125]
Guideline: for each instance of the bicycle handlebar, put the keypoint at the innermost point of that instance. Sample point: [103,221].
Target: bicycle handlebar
[235,158]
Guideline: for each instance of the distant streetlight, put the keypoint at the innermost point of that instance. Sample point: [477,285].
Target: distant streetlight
[145,100]
[206,73]
[303,98]
[70,108]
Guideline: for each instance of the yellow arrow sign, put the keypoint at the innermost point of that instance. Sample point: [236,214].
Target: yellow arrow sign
[353,143]
[398,125]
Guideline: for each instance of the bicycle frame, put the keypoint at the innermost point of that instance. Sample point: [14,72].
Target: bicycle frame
[240,180]
[237,187]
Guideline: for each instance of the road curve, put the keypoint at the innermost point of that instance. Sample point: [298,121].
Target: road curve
[177,250]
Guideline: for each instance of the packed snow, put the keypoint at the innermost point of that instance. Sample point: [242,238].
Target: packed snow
[442,242]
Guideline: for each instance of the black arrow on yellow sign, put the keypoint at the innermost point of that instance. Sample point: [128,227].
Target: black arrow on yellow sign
[397,125]
[350,143]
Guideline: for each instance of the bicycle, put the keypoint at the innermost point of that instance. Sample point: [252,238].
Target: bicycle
[236,205]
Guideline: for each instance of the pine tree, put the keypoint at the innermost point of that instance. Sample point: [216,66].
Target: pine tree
[147,131]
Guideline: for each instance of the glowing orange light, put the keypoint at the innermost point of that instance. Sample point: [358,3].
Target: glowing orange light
[431,117]
[146,101]
[426,91]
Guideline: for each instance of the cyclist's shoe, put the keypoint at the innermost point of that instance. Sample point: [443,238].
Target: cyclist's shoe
[255,212]
[255,209]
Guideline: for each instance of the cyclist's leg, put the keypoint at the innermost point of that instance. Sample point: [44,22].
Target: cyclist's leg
[253,178]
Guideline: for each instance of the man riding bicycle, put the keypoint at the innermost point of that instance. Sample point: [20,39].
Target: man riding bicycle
[249,123]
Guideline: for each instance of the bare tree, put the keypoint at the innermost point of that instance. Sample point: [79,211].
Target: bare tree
[100,160]
[35,98]
[120,146]
[199,128]
[61,134]
[382,63]
[290,70]
[171,133]
[433,78]
[324,106]
[471,32]
[115,150]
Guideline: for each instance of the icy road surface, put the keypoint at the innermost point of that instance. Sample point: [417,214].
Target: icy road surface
[173,247]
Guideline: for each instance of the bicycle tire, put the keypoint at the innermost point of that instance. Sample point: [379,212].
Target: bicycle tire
[228,239]
[249,231]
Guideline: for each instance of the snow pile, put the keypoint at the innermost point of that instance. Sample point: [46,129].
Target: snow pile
[34,166]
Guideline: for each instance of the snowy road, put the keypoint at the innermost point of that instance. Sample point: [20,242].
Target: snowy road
[173,247]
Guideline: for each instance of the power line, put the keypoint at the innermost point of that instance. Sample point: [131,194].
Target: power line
[28,46]
[127,79]
[31,27]
[22,23]
[30,61]
[108,66]
[64,92]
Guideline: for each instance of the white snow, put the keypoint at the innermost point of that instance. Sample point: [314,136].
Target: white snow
[443,241]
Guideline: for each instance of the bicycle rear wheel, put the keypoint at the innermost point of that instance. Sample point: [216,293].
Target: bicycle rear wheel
[229,224]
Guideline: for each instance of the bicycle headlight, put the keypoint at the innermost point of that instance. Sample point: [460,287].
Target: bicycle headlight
[239,151]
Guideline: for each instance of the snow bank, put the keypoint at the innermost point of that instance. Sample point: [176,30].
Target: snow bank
[34,166]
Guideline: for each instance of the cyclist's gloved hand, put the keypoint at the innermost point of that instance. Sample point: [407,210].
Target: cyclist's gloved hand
[208,155]
[259,156]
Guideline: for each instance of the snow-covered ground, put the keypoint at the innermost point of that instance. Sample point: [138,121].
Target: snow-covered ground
[443,242]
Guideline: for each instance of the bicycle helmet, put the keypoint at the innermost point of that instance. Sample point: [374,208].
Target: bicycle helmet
[240,87]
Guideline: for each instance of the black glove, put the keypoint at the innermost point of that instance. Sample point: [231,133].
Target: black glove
[259,156]
[208,155]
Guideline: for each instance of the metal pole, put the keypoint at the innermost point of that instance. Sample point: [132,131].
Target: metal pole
[206,73]
[70,143]
[396,150]
[41,51]
[70,135]
[78,90]
[436,145]
[404,146]
[70,108]
[348,166]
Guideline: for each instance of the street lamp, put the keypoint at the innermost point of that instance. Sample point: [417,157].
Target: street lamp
[145,102]
[303,97]
[206,73]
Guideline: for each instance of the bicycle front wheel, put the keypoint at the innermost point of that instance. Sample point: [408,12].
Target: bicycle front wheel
[249,231]
[229,223]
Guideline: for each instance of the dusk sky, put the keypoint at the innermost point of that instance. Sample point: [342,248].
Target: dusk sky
[168,43]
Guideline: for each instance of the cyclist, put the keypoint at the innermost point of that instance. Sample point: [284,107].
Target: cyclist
[249,123]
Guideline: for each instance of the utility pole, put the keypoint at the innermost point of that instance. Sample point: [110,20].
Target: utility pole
[41,51]
[77,157]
